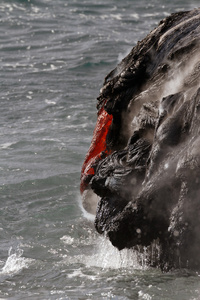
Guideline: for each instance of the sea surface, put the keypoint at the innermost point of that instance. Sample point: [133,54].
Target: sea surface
[54,56]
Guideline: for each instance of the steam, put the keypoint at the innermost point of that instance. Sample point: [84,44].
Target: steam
[89,201]
[147,103]
[123,55]
[179,76]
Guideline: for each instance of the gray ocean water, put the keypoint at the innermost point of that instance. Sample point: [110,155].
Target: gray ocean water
[54,56]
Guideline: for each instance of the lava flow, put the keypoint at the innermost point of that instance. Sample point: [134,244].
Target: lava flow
[98,148]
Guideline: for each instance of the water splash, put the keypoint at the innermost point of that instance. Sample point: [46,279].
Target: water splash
[107,256]
[143,295]
[104,255]
[15,262]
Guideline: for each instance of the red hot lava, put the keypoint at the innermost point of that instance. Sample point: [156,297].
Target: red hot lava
[98,148]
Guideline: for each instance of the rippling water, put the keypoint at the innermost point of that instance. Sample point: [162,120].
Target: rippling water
[54,57]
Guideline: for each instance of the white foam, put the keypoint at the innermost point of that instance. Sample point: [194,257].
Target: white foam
[15,262]
[5,145]
[116,16]
[67,240]
[135,16]
[50,102]
[144,296]
[79,273]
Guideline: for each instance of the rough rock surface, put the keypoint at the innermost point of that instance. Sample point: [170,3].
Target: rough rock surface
[149,181]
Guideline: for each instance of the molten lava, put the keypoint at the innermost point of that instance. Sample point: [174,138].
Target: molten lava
[98,148]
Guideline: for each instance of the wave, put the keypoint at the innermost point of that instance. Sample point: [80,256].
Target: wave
[90,65]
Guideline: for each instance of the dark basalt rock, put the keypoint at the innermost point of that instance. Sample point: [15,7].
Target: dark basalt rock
[149,186]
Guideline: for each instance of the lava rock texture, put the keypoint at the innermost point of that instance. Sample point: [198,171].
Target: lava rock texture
[149,186]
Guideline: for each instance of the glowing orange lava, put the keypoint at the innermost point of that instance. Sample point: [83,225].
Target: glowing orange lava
[98,148]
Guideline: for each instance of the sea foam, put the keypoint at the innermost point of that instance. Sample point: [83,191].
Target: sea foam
[15,262]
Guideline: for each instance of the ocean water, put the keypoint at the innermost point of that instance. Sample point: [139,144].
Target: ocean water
[54,56]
